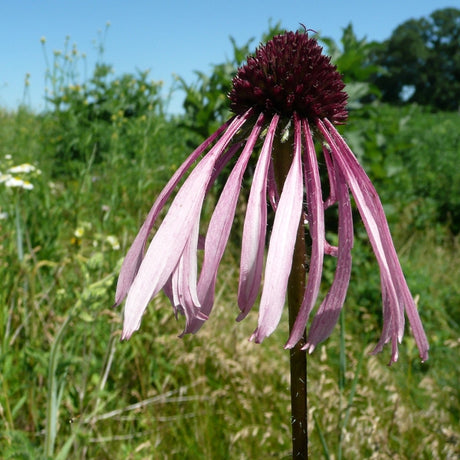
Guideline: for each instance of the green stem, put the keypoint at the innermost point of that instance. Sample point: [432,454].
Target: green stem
[296,286]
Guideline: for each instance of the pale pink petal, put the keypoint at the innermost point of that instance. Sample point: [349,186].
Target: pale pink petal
[255,227]
[169,291]
[272,190]
[330,250]
[169,242]
[222,162]
[389,328]
[415,322]
[329,311]
[367,201]
[317,232]
[396,294]
[187,295]
[281,248]
[135,254]
[221,224]
[332,198]
[180,287]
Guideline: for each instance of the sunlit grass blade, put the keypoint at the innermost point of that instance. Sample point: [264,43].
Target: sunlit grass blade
[321,437]
[55,389]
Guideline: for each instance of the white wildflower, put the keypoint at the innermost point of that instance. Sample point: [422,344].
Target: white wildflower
[25,168]
[18,183]
[113,242]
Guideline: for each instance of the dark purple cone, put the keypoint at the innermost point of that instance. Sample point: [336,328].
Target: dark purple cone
[289,74]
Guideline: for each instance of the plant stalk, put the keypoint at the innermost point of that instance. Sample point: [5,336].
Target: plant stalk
[298,357]
[282,159]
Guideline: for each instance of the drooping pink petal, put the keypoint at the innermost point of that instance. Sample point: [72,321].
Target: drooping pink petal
[135,254]
[169,291]
[317,232]
[389,330]
[180,287]
[255,227]
[221,163]
[272,190]
[332,198]
[281,247]
[396,294]
[330,250]
[329,310]
[367,201]
[186,296]
[169,242]
[220,225]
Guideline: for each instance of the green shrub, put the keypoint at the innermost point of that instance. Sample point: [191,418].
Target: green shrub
[96,118]
[409,153]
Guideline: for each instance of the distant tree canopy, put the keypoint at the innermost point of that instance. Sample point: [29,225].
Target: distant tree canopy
[421,61]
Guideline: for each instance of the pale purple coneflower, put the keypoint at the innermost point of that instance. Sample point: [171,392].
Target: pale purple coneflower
[287,97]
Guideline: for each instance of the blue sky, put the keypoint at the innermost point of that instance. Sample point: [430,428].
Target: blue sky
[171,36]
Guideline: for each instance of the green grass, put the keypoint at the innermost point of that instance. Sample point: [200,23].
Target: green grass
[70,389]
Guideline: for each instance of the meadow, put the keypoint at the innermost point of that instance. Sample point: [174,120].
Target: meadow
[70,389]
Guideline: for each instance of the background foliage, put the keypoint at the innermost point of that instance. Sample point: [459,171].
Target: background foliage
[100,154]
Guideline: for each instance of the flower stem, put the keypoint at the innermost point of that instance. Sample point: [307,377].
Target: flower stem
[298,357]
[282,159]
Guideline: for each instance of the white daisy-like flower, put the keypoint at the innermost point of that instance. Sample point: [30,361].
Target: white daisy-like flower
[113,242]
[24,168]
[15,182]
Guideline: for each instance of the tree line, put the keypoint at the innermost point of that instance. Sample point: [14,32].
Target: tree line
[420,62]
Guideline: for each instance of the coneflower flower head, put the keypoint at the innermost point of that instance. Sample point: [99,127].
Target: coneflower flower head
[290,75]
[285,98]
